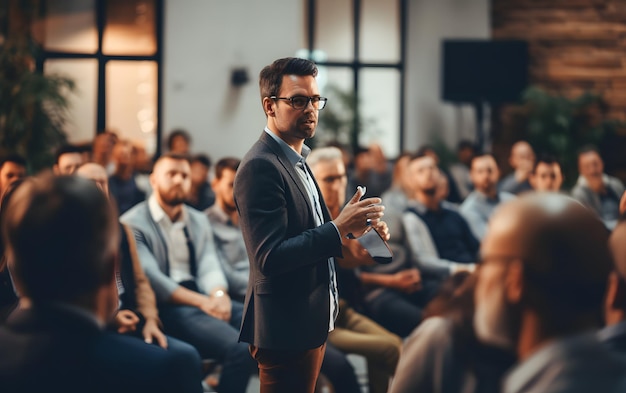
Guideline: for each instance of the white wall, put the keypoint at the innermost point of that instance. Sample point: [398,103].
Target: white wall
[205,39]
[431,21]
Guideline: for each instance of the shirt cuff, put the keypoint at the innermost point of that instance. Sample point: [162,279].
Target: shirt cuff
[337,229]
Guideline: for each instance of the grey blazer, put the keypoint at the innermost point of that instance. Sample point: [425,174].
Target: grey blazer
[153,254]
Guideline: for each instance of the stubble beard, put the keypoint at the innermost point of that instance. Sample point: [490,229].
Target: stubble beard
[173,197]
[493,320]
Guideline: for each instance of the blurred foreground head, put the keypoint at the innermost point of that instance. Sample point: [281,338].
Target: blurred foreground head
[61,237]
[545,263]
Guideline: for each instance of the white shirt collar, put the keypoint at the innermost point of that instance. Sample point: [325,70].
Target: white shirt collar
[159,215]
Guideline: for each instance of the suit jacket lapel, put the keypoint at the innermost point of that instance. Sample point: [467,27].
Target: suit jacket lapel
[291,170]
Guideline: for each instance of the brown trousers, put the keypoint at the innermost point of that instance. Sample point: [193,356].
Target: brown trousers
[283,371]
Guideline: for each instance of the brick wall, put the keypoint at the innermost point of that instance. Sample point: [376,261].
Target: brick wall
[575,46]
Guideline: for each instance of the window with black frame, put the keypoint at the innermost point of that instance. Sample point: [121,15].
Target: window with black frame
[112,50]
[359,46]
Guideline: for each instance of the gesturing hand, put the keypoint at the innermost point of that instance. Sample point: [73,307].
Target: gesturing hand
[355,215]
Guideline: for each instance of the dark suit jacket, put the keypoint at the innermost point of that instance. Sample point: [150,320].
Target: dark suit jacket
[287,301]
[52,349]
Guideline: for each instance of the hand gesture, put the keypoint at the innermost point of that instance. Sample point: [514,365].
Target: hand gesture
[357,216]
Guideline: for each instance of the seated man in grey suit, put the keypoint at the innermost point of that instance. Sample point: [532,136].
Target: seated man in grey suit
[176,248]
[62,240]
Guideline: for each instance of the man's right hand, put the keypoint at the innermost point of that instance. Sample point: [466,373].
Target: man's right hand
[353,218]
[126,321]
[407,281]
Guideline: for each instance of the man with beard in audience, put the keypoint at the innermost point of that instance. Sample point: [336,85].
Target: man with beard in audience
[541,283]
[480,203]
[176,248]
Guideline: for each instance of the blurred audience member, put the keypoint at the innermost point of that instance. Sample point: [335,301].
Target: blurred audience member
[8,297]
[354,333]
[12,168]
[541,284]
[614,334]
[372,170]
[443,355]
[396,197]
[54,341]
[179,142]
[102,150]
[226,232]
[201,196]
[137,314]
[595,189]
[460,170]
[453,194]
[522,160]
[480,204]
[177,251]
[68,159]
[546,175]
[122,185]
[428,223]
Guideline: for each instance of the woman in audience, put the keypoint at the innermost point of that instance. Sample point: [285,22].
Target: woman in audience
[443,355]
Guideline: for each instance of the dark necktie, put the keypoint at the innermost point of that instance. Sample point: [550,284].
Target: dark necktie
[193,268]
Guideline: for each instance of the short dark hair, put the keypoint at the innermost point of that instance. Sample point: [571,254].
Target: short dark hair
[66,149]
[14,158]
[466,144]
[202,159]
[587,149]
[173,156]
[231,163]
[420,153]
[271,76]
[175,134]
[76,230]
[545,159]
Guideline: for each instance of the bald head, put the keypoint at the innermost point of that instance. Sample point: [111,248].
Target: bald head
[545,264]
[562,246]
[96,173]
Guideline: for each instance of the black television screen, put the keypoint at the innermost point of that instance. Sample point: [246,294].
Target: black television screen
[484,70]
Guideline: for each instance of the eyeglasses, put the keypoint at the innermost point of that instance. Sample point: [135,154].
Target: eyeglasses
[301,102]
[332,179]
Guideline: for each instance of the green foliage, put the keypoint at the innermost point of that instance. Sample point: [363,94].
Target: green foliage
[337,120]
[33,107]
[560,126]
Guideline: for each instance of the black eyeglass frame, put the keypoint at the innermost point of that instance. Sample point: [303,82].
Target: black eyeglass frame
[315,100]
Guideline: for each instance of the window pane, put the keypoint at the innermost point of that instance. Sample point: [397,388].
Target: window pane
[130,28]
[336,119]
[131,101]
[379,31]
[334,29]
[81,126]
[379,106]
[68,26]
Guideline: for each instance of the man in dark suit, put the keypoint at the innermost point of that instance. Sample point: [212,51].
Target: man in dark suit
[291,301]
[62,237]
